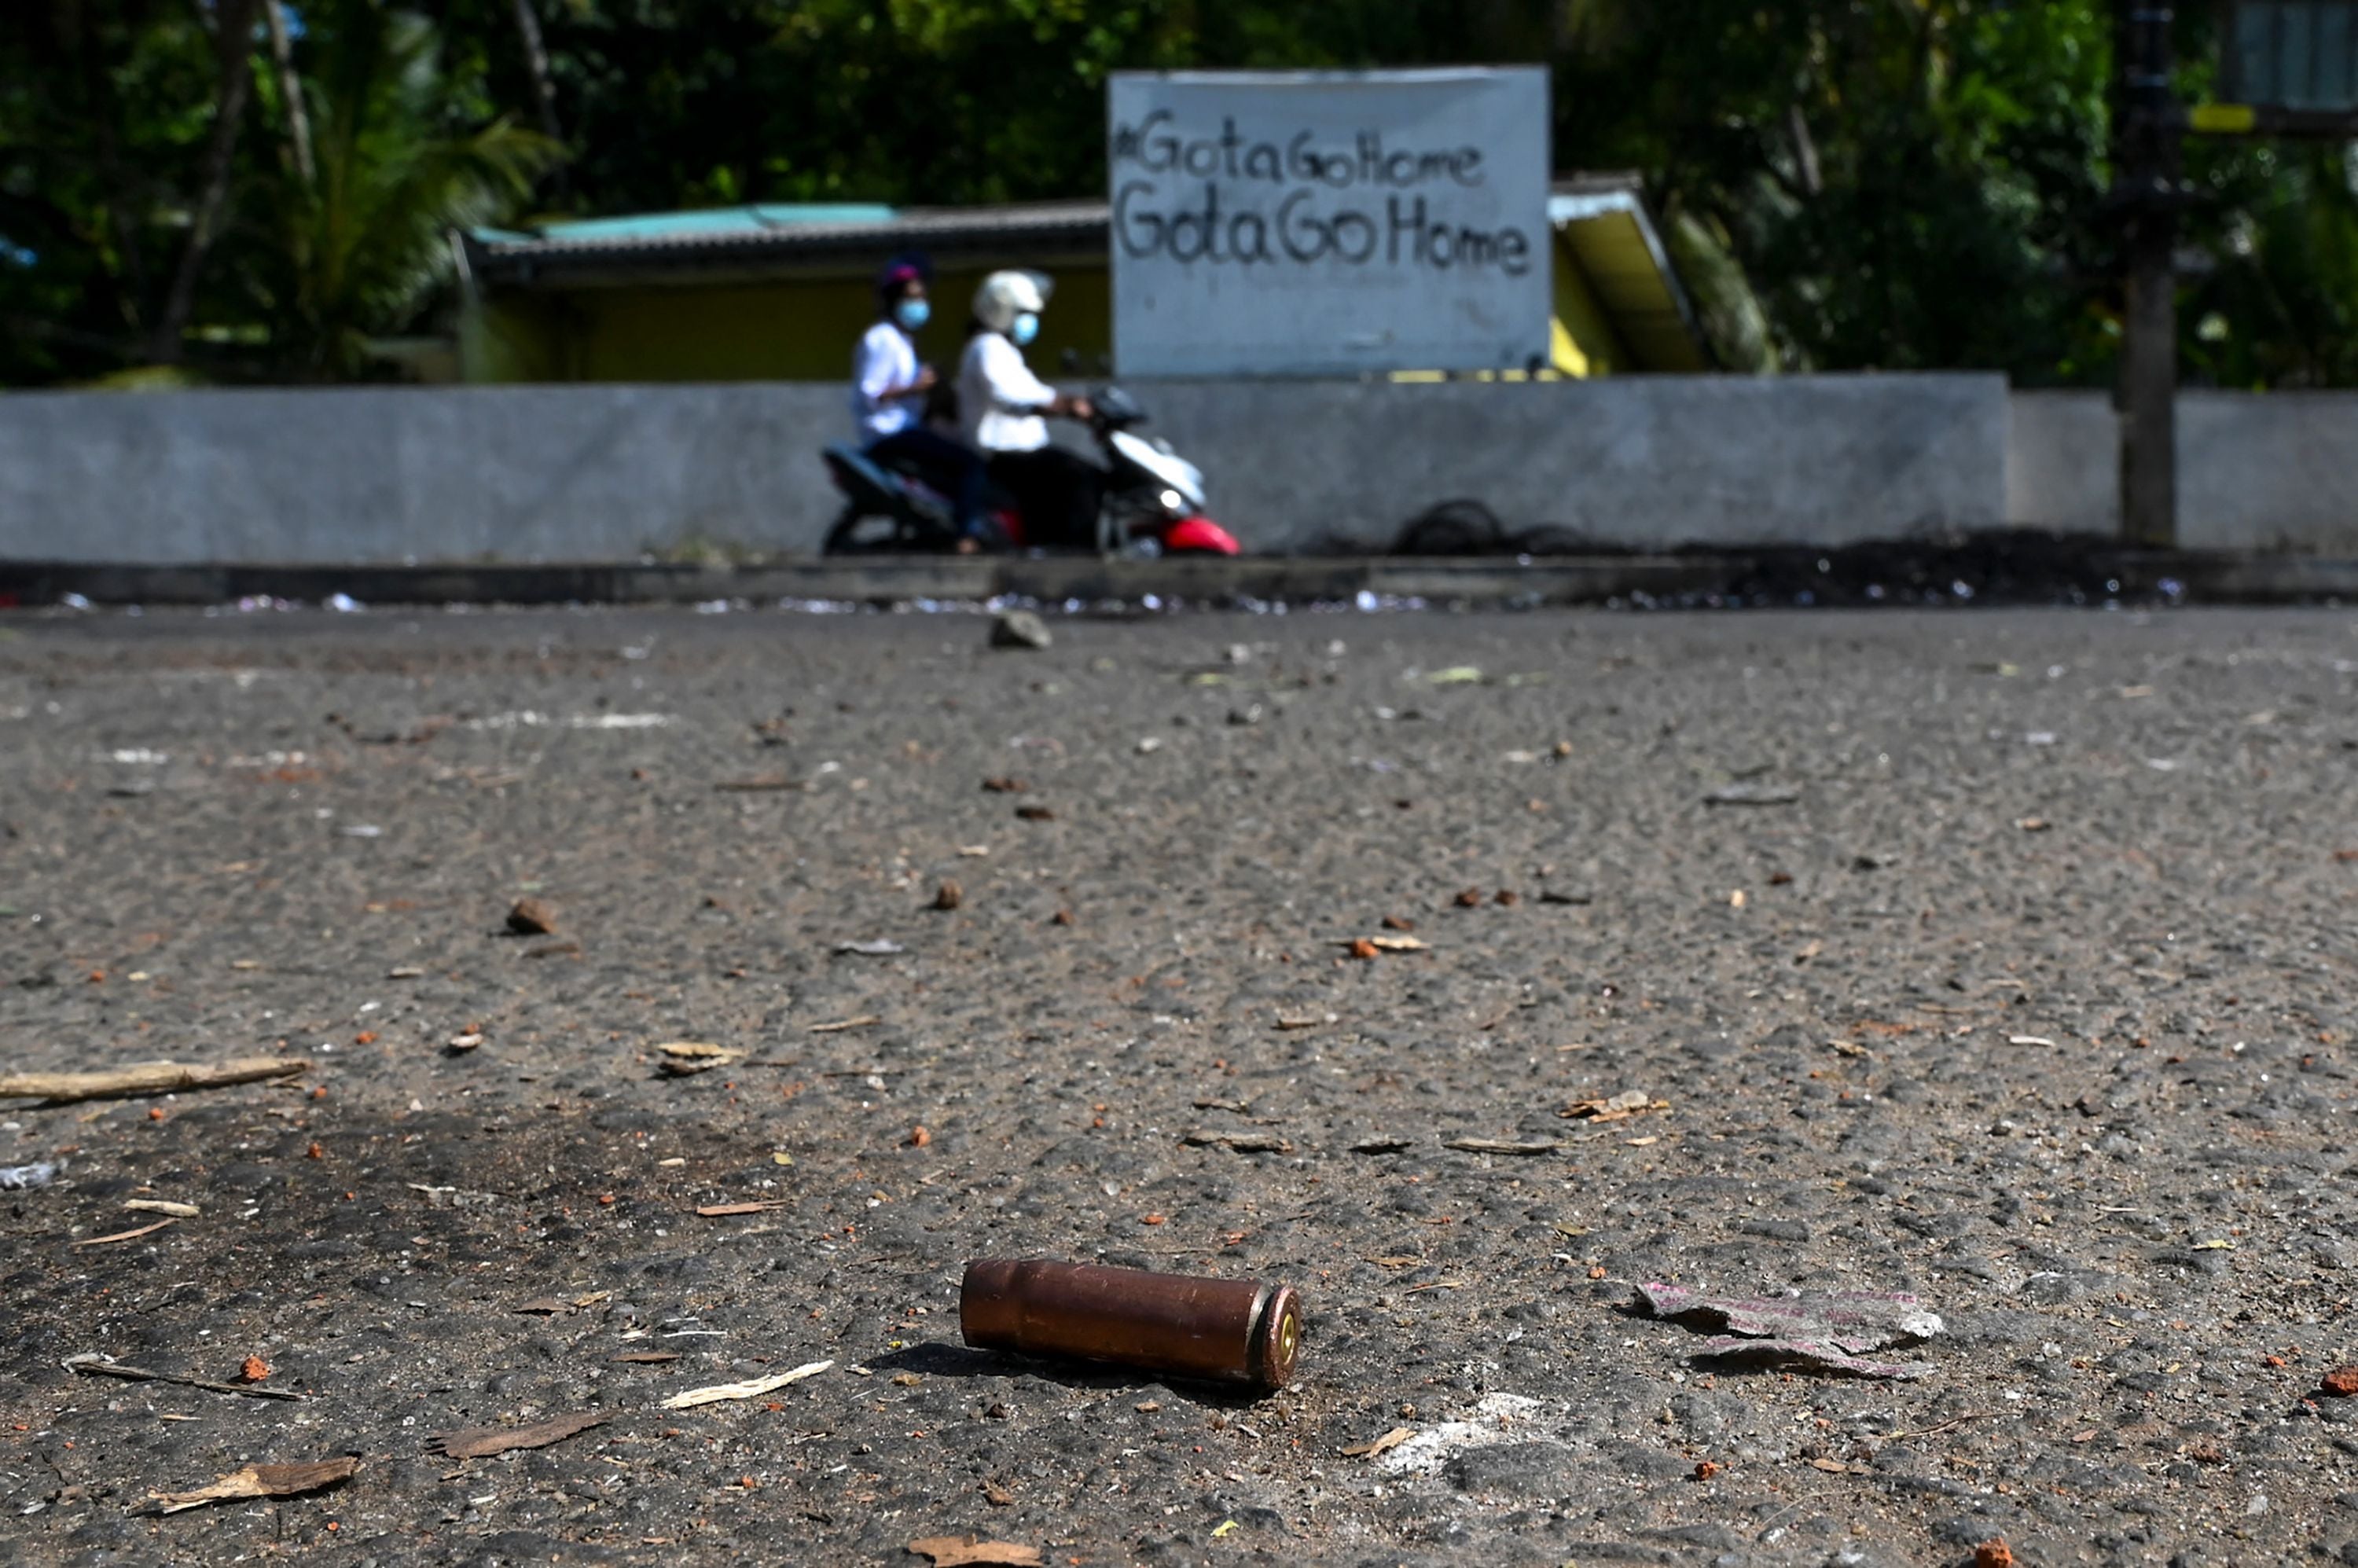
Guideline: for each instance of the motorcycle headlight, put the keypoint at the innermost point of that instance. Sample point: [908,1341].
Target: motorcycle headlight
[1171,501]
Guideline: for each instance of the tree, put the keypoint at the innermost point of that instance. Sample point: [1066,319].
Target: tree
[353,252]
[233,22]
[1849,184]
[144,221]
[104,123]
[1875,166]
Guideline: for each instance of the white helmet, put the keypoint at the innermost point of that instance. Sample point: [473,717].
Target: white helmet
[1004,296]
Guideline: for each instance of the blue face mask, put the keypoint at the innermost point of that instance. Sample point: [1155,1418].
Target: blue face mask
[1026,328]
[912,314]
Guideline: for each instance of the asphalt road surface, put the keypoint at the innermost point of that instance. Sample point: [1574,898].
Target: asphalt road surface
[2001,958]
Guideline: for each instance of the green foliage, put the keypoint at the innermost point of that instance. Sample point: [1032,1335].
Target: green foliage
[1846,184]
[104,115]
[1909,185]
[2282,309]
[355,252]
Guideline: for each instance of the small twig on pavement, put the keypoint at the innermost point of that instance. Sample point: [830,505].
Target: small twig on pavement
[91,1366]
[147,1078]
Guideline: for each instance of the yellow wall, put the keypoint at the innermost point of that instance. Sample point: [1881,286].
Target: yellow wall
[1584,343]
[803,328]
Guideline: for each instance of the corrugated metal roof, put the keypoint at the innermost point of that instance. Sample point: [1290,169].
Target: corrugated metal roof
[711,221]
[739,236]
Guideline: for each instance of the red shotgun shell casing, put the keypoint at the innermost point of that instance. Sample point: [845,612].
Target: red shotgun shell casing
[1237,1331]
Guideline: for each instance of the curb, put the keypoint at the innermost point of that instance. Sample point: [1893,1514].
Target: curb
[1781,575]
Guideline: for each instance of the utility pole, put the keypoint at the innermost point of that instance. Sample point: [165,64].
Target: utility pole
[2148,129]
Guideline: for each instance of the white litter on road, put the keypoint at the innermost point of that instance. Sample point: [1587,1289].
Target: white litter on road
[525,718]
[1496,1417]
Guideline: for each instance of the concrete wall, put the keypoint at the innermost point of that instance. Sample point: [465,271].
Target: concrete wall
[2276,471]
[429,474]
[594,472]
[2062,469]
[1652,461]
[606,473]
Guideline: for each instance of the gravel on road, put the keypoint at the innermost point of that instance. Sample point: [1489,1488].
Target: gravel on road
[1463,972]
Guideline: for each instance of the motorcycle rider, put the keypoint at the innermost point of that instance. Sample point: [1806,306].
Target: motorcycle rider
[1004,411]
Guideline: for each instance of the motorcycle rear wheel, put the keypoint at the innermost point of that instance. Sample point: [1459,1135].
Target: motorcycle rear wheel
[886,535]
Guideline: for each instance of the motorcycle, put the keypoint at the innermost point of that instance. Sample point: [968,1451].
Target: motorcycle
[1154,497]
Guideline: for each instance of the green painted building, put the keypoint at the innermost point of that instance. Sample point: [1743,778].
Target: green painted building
[781,293]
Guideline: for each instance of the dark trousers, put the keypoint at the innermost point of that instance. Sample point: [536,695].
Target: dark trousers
[952,465]
[1058,493]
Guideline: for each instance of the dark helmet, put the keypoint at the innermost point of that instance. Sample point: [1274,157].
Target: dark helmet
[900,272]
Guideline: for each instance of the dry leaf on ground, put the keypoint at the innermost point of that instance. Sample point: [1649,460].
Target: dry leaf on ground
[952,1550]
[1615,1107]
[1390,1440]
[259,1481]
[1824,1330]
[682,1057]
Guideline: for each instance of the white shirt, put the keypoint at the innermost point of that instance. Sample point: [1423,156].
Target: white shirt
[1000,400]
[885,359]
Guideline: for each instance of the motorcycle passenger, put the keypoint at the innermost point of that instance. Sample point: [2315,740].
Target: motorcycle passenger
[1004,410]
[888,382]
[892,391]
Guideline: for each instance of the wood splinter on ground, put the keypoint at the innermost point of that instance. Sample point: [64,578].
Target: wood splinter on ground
[163,1205]
[126,1234]
[148,1078]
[483,1442]
[751,1390]
[1502,1146]
[259,1481]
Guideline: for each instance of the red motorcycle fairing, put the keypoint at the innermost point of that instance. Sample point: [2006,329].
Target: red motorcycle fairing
[1199,535]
